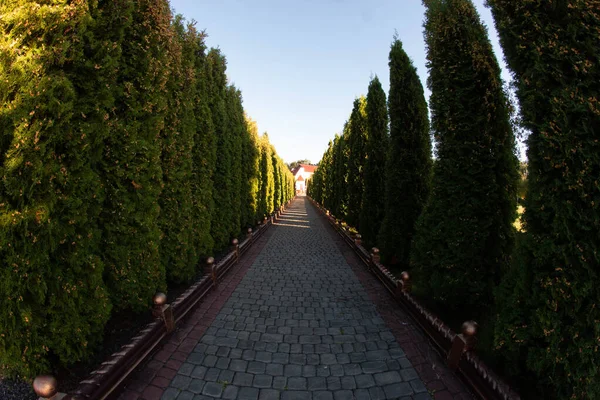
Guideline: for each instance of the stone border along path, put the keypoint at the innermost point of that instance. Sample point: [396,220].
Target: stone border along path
[298,319]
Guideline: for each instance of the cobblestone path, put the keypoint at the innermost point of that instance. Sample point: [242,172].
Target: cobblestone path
[300,324]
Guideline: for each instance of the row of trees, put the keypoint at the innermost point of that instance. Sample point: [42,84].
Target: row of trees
[450,219]
[125,159]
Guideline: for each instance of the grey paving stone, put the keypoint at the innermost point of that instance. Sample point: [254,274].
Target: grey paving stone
[243,379]
[418,386]
[296,395]
[181,382]
[196,386]
[297,383]
[334,383]
[170,394]
[212,389]
[362,394]
[230,392]
[280,382]
[226,376]
[377,393]
[186,369]
[292,370]
[263,381]
[274,369]
[248,393]
[185,396]
[364,381]
[238,365]
[212,375]
[348,382]
[317,383]
[387,378]
[409,374]
[199,372]
[371,367]
[269,394]
[256,367]
[323,395]
[396,390]
[343,395]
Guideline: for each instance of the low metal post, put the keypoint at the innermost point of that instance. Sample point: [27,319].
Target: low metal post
[249,234]
[462,343]
[163,311]
[374,257]
[46,386]
[358,240]
[236,245]
[210,266]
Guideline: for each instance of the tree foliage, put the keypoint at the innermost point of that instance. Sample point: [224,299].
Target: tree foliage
[111,117]
[356,141]
[408,169]
[464,237]
[548,303]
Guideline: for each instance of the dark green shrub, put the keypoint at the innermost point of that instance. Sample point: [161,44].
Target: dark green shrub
[464,237]
[408,169]
[131,164]
[548,304]
[373,204]
[356,142]
[53,303]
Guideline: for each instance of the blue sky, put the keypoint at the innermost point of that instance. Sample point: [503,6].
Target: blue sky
[300,64]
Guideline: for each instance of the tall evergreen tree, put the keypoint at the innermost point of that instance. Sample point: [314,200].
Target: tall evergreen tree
[339,177]
[222,179]
[356,142]
[326,166]
[177,251]
[131,166]
[549,303]
[204,152]
[276,180]
[250,167]
[265,205]
[465,234]
[408,169]
[53,104]
[238,131]
[372,212]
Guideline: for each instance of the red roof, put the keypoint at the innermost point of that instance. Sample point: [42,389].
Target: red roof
[309,168]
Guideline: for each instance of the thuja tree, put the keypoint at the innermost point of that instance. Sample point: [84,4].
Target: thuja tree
[177,251]
[204,152]
[465,234]
[549,303]
[277,188]
[326,167]
[408,169]
[131,167]
[356,142]
[53,104]
[372,212]
[265,204]
[250,170]
[237,128]
[222,213]
[339,172]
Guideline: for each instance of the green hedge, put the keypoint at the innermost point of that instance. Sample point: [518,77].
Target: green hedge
[548,320]
[125,159]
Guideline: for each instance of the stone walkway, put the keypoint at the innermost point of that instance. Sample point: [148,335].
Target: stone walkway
[297,321]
